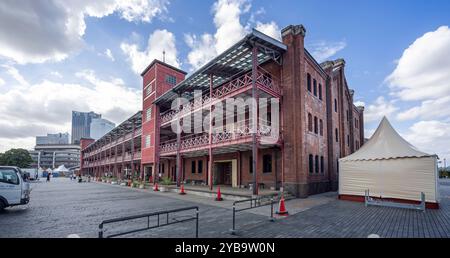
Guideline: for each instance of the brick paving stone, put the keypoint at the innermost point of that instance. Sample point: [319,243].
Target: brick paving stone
[64,207]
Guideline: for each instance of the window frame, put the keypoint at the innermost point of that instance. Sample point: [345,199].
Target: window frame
[9,170]
[193,166]
[267,165]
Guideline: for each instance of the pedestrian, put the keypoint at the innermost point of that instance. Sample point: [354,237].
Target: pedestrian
[48,177]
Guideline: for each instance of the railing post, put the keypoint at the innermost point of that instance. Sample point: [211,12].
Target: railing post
[233,231]
[196,222]
[100,230]
[271,210]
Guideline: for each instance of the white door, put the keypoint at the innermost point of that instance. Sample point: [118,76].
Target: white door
[10,187]
[234,173]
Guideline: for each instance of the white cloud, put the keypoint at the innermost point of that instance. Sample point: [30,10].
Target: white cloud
[378,109]
[202,49]
[47,106]
[56,74]
[158,41]
[15,74]
[109,54]
[229,30]
[428,109]
[37,31]
[422,74]
[359,103]
[422,71]
[322,50]
[430,136]
[2,82]
[271,29]
[227,21]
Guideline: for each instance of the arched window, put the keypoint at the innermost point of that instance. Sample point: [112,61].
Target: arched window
[320,91]
[336,132]
[317,164]
[310,122]
[315,87]
[311,165]
[308,81]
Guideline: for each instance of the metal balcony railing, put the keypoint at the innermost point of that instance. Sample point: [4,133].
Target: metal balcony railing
[238,131]
[264,80]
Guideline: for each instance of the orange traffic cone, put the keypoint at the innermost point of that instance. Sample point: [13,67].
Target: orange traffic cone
[282,208]
[182,192]
[219,195]
[156,187]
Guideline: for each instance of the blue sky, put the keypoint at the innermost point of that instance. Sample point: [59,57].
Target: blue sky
[61,61]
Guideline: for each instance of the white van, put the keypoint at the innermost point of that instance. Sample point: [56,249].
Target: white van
[14,190]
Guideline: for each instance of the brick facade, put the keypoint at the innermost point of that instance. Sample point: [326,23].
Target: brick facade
[318,125]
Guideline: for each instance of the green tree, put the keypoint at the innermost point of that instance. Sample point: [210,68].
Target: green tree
[16,157]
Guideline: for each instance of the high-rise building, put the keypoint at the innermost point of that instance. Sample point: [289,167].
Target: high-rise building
[81,125]
[100,127]
[57,138]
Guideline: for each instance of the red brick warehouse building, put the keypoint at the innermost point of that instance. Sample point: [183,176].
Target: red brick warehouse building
[318,122]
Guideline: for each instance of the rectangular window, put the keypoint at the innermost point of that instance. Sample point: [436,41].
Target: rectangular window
[267,163]
[321,127]
[335,105]
[310,126]
[317,164]
[336,132]
[9,176]
[348,140]
[322,169]
[315,87]
[170,79]
[193,167]
[149,90]
[250,165]
[162,168]
[147,141]
[320,91]
[200,167]
[316,129]
[148,114]
[311,164]
[308,81]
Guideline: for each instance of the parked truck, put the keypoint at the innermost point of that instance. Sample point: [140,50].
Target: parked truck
[14,188]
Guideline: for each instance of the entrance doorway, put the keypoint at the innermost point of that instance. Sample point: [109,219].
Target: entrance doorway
[225,173]
[222,175]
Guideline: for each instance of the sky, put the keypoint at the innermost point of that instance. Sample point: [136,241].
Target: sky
[62,55]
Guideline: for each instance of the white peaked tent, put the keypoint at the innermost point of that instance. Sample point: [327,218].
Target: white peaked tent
[389,167]
[61,168]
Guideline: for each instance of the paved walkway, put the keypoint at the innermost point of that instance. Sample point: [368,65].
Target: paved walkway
[350,219]
[63,207]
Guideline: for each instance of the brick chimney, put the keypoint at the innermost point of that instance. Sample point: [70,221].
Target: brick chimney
[295,173]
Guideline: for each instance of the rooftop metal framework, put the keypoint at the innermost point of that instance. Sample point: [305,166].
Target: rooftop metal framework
[124,128]
[231,63]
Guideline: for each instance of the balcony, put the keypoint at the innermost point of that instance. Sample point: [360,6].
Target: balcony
[239,133]
[264,81]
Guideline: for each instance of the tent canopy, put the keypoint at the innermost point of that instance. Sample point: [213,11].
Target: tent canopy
[389,167]
[61,168]
[386,143]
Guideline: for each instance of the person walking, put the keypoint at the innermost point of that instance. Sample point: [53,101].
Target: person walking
[48,177]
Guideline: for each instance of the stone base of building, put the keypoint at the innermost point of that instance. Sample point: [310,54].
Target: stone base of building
[319,187]
[296,189]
